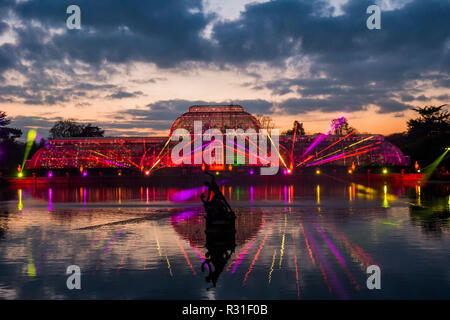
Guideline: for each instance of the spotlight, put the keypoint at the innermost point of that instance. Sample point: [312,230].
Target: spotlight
[385,171]
[317,171]
[251,172]
[50,174]
[20,175]
[289,171]
[147,173]
[285,172]
[84,173]
[217,173]
[350,171]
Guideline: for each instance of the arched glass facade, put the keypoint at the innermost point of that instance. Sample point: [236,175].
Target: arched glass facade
[143,154]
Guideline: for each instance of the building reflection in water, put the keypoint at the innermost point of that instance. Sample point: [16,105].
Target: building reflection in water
[272,246]
[220,247]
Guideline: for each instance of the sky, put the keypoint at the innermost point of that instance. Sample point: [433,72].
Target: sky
[135,66]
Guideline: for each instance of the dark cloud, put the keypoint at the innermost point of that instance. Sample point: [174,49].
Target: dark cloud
[3,27]
[7,60]
[124,94]
[171,109]
[43,124]
[355,65]
[165,32]
[48,93]
[347,67]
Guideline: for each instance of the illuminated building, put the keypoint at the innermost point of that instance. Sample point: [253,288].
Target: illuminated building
[148,154]
[219,117]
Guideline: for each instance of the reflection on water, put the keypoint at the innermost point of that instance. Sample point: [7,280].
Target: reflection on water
[302,240]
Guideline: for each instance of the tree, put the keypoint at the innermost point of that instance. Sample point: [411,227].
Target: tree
[265,121]
[92,131]
[300,129]
[427,137]
[70,129]
[341,127]
[431,121]
[7,134]
[11,151]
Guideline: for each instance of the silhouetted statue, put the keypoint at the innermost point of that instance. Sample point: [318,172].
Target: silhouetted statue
[220,246]
[216,206]
[220,231]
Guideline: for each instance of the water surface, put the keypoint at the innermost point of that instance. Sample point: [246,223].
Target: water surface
[302,240]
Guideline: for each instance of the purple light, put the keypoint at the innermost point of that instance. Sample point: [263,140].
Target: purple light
[322,161]
[331,274]
[315,143]
[251,172]
[84,173]
[183,216]
[241,257]
[330,244]
[285,172]
[187,194]
[50,196]
[50,174]
[333,127]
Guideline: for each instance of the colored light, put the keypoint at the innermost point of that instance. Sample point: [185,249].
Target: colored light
[50,174]
[31,137]
[341,156]
[20,175]
[217,173]
[289,171]
[385,171]
[285,171]
[84,173]
[252,172]
[318,171]
[147,173]
[350,171]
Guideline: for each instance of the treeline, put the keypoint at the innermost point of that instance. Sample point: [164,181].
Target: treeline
[12,149]
[427,136]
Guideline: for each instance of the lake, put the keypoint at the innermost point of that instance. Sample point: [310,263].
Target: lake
[305,239]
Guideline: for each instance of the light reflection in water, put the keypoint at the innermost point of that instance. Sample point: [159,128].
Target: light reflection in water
[20,205]
[283,251]
[385,197]
[50,197]
[318,194]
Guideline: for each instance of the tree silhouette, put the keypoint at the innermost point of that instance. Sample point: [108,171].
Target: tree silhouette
[427,136]
[7,134]
[300,129]
[70,129]
[431,121]
[341,126]
[265,121]
[11,151]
